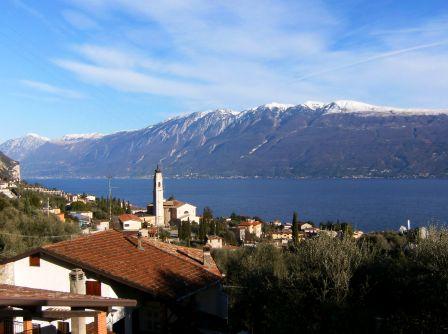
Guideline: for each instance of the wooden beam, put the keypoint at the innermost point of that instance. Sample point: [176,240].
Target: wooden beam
[49,315]
[73,302]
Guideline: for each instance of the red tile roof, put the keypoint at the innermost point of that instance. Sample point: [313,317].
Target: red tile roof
[174,203]
[127,216]
[193,255]
[161,269]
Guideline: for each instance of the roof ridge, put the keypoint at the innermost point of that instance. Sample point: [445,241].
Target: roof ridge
[79,237]
[195,261]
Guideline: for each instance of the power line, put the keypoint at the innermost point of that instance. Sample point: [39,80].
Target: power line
[39,236]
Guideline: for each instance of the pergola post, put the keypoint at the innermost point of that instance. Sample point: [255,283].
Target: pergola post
[100,323]
[27,325]
[78,324]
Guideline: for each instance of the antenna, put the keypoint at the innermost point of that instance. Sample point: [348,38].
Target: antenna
[110,197]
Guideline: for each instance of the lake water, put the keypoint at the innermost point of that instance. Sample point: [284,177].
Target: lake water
[375,204]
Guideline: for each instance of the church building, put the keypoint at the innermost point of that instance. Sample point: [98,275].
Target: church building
[164,211]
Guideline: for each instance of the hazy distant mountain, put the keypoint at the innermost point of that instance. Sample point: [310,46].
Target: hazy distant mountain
[338,139]
[7,168]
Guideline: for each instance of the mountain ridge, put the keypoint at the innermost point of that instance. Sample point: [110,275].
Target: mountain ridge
[338,139]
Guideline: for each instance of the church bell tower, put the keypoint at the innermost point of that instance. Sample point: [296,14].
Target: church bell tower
[158,197]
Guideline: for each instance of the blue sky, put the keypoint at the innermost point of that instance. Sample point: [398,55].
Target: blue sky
[82,66]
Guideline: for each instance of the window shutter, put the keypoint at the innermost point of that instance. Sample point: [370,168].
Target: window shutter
[35,260]
[93,288]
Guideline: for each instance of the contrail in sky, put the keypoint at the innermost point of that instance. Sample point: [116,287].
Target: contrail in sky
[373,58]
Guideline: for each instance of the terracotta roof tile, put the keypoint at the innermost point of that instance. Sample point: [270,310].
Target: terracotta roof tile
[161,269]
[127,216]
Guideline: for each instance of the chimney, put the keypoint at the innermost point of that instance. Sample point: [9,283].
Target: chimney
[78,285]
[207,259]
[77,281]
[139,241]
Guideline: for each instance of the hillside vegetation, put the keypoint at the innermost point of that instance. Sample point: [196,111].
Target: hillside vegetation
[23,225]
[383,283]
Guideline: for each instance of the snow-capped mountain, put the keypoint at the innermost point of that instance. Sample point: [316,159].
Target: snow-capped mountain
[360,108]
[314,139]
[19,148]
[75,137]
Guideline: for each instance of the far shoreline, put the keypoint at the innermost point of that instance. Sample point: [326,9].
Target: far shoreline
[236,178]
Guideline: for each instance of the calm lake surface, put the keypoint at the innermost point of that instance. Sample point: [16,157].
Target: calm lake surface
[367,204]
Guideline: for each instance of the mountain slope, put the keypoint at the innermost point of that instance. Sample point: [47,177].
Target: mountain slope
[339,139]
[19,148]
[9,169]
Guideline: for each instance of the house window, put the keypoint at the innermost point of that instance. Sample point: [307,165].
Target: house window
[185,212]
[126,225]
[93,288]
[158,185]
[63,327]
[35,260]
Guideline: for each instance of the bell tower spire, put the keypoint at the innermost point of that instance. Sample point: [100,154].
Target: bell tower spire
[158,197]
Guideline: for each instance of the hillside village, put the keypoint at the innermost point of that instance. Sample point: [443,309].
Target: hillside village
[130,269]
[170,220]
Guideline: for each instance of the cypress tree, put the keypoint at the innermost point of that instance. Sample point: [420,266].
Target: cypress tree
[179,231]
[188,231]
[295,229]
[202,230]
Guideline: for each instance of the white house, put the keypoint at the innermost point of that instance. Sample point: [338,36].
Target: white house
[102,225]
[150,220]
[166,280]
[214,241]
[90,198]
[252,226]
[306,226]
[130,222]
[84,217]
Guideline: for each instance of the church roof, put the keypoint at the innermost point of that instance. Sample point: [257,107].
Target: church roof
[174,203]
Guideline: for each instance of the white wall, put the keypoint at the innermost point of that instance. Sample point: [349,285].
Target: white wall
[132,225]
[52,276]
[158,199]
[191,212]
[48,276]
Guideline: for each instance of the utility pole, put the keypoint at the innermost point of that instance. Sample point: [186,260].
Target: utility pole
[48,206]
[110,199]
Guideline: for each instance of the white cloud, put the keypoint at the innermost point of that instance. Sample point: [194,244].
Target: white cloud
[239,54]
[79,20]
[52,90]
